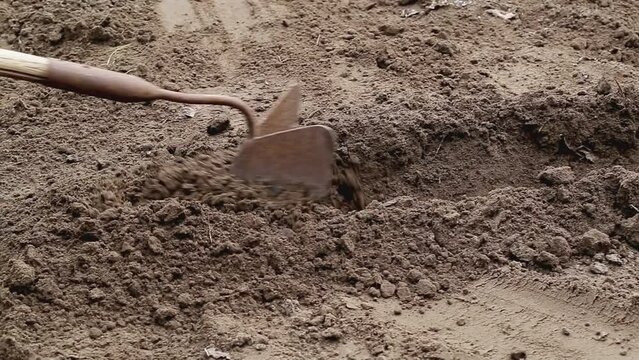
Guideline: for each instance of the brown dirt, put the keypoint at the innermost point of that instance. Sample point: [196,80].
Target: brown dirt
[497,216]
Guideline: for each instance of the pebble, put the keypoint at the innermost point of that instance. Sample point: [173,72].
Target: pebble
[603,87]
[96,295]
[185,300]
[155,245]
[461,322]
[95,333]
[163,314]
[557,175]
[559,246]
[403,292]
[397,311]
[71,159]
[565,332]
[260,339]
[145,147]
[21,274]
[444,48]
[218,126]
[241,340]
[599,268]
[317,320]
[173,211]
[390,30]
[101,164]
[518,355]
[426,288]
[414,276]
[593,241]
[387,289]
[366,306]
[547,260]
[614,259]
[113,256]
[332,334]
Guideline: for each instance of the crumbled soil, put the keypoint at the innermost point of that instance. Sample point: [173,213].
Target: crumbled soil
[485,202]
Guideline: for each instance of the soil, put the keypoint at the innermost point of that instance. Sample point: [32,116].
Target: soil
[486,202]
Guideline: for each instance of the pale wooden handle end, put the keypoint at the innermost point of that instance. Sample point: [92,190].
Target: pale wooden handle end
[21,63]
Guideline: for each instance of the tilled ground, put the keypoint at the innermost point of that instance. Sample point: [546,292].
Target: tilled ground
[486,202]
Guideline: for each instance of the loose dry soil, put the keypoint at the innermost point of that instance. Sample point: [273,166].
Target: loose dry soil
[498,214]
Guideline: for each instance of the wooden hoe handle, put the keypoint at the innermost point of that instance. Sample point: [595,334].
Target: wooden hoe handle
[106,84]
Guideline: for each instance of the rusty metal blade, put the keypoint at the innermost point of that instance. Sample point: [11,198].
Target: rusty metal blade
[283,115]
[301,156]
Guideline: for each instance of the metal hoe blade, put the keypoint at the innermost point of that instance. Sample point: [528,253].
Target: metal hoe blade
[284,154]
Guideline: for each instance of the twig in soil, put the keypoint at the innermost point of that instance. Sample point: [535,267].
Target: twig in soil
[314,113]
[620,89]
[280,60]
[634,208]
[318,39]
[108,63]
[440,144]
[542,126]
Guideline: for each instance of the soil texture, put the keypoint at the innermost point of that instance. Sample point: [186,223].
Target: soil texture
[485,202]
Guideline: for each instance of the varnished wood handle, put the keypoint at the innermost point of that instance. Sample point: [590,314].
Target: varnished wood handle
[79,78]
[30,65]
[106,84]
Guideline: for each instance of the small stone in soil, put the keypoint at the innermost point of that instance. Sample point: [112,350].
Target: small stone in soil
[518,355]
[565,331]
[599,269]
[173,211]
[593,241]
[387,289]
[603,87]
[557,175]
[242,340]
[390,30]
[403,292]
[374,292]
[461,322]
[96,295]
[366,306]
[218,126]
[332,334]
[614,259]
[155,245]
[20,274]
[70,159]
[397,311]
[95,333]
[101,164]
[185,300]
[414,276]
[164,314]
[260,339]
[426,288]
